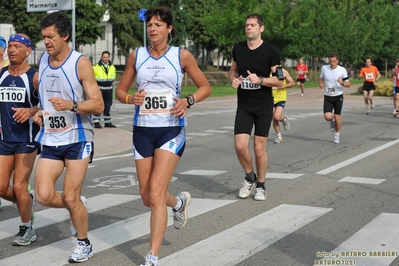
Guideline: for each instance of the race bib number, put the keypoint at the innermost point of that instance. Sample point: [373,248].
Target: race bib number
[300,72]
[331,90]
[157,102]
[12,94]
[56,122]
[369,76]
[247,85]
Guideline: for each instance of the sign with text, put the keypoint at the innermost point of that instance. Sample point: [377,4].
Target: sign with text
[46,5]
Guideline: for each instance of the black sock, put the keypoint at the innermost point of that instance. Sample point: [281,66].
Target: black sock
[250,176]
[86,240]
[261,184]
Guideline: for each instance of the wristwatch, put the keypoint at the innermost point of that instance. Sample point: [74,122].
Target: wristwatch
[190,100]
[74,107]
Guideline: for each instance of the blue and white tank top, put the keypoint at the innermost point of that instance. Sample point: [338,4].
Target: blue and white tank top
[17,92]
[161,78]
[66,127]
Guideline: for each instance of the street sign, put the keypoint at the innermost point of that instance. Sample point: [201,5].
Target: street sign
[45,5]
[142,14]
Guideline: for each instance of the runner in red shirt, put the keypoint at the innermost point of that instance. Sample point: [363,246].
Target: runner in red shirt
[301,70]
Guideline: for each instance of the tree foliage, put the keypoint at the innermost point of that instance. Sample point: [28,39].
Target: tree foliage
[312,29]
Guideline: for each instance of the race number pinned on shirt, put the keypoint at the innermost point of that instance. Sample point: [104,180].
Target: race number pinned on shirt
[157,102]
[56,122]
[369,76]
[247,85]
[12,94]
[331,89]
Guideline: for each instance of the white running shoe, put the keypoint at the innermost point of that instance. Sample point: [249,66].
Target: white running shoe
[72,227]
[395,113]
[82,252]
[286,124]
[332,125]
[336,140]
[149,260]
[260,194]
[369,112]
[246,189]
[278,139]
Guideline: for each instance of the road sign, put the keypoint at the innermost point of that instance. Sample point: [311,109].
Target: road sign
[142,14]
[45,5]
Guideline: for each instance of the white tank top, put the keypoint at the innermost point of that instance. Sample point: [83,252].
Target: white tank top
[62,128]
[161,78]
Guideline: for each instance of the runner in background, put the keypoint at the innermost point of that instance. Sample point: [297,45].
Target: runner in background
[301,70]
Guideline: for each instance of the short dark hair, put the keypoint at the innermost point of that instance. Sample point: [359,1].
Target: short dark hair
[334,55]
[163,13]
[60,21]
[105,52]
[261,20]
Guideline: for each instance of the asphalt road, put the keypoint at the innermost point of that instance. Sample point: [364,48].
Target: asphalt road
[327,202]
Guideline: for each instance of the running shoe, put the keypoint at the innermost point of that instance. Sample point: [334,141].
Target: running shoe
[278,139]
[368,112]
[336,140]
[332,125]
[72,227]
[148,262]
[25,236]
[395,113]
[246,188]
[260,194]
[180,217]
[286,124]
[301,94]
[82,252]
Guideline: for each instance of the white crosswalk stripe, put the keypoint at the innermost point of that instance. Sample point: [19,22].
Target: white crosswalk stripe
[232,246]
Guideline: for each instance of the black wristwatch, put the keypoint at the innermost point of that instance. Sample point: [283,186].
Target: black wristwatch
[190,100]
[74,107]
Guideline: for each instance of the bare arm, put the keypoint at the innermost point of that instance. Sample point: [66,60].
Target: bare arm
[94,104]
[289,80]
[122,92]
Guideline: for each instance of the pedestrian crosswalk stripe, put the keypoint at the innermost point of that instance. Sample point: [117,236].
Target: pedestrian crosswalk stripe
[245,239]
[51,216]
[282,175]
[362,180]
[105,237]
[367,245]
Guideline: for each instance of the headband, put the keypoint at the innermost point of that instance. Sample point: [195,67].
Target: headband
[3,43]
[20,39]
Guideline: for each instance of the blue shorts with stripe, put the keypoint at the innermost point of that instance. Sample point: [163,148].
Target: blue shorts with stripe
[74,151]
[147,139]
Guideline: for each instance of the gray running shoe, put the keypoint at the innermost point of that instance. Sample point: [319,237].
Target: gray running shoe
[260,194]
[286,124]
[25,236]
[180,217]
[82,252]
[71,226]
[332,125]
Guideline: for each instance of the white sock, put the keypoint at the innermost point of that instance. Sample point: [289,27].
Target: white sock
[27,224]
[179,204]
[337,134]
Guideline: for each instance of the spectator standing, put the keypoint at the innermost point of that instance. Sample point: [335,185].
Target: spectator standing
[105,74]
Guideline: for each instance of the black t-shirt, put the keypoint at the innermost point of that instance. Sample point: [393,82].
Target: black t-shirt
[257,61]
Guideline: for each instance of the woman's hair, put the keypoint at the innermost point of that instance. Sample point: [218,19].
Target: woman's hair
[163,13]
